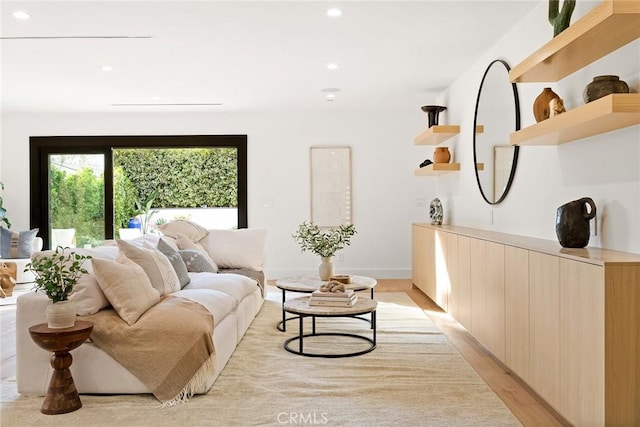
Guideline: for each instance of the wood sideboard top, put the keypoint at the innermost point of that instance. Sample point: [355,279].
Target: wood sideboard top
[589,255]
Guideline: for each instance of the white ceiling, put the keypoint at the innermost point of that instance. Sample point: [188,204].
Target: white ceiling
[249,56]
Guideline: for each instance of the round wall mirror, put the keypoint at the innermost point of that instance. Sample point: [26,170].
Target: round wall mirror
[497,115]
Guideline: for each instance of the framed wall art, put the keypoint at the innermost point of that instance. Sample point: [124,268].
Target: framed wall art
[330,185]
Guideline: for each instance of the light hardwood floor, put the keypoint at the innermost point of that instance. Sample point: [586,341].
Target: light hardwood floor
[525,404]
[530,409]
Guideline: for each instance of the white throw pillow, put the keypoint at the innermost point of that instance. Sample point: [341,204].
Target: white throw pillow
[193,231]
[126,286]
[242,248]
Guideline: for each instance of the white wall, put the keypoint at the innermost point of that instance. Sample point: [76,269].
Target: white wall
[605,167]
[384,189]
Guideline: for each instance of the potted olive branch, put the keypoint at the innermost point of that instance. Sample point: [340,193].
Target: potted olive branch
[325,243]
[56,275]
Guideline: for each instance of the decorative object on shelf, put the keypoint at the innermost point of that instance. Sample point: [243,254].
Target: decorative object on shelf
[560,18]
[556,106]
[342,278]
[426,162]
[436,212]
[56,275]
[603,86]
[441,155]
[572,222]
[324,243]
[433,111]
[541,110]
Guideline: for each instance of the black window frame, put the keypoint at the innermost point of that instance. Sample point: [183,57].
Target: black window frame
[40,147]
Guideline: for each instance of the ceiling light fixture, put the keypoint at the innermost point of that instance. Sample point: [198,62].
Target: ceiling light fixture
[107,68]
[331,95]
[332,67]
[330,90]
[21,15]
[334,12]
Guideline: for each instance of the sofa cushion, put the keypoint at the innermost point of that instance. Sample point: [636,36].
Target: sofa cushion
[197,261]
[242,248]
[234,285]
[126,286]
[176,261]
[17,244]
[218,303]
[193,231]
[161,273]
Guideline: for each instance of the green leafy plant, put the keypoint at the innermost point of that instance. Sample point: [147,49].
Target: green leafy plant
[58,273]
[323,242]
[143,208]
[3,211]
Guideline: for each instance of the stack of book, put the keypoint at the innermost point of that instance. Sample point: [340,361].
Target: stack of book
[333,299]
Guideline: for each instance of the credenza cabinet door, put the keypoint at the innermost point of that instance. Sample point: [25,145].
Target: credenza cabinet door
[582,343]
[495,300]
[544,326]
[479,290]
[453,302]
[516,294]
[463,295]
[443,279]
[419,271]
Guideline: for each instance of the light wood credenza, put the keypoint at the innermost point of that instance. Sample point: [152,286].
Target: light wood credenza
[566,321]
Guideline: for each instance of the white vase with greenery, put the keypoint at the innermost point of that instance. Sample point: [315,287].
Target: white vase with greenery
[56,275]
[325,243]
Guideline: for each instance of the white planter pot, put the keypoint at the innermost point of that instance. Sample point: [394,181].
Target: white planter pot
[61,315]
[325,269]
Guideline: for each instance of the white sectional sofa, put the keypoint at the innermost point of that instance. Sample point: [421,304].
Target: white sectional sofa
[234,299]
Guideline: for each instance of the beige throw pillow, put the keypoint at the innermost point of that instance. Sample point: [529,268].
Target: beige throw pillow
[190,229]
[157,266]
[126,286]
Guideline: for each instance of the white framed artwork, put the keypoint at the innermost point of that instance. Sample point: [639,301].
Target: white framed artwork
[330,185]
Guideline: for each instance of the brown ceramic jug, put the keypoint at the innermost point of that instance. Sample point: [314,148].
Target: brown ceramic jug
[572,222]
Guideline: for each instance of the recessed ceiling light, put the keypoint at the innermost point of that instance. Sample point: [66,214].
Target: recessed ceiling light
[330,90]
[334,12]
[331,95]
[332,66]
[107,68]
[155,98]
[21,14]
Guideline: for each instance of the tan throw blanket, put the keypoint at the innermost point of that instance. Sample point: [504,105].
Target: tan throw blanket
[169,349]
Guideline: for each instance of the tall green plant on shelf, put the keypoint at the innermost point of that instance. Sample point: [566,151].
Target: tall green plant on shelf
[3,211]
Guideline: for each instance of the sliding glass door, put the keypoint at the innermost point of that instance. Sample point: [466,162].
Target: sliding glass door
[84,189]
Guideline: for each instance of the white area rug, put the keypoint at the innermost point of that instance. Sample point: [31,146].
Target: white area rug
[415,377]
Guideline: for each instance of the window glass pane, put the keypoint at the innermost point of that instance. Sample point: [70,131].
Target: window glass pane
[198,184]
[76,196]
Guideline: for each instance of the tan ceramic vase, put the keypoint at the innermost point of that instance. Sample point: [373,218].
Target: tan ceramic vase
[441,155]
[541,110]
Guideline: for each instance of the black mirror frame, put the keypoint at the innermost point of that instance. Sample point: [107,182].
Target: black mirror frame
[516,150]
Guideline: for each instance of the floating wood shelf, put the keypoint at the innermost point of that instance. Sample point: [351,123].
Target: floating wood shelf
[436,168]
[607,27]
[615,111]
[436,134]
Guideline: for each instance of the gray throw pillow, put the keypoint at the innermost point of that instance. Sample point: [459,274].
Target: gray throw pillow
[197,262]
[176,261]
[17,244]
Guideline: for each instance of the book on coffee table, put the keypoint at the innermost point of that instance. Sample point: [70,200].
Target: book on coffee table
[333,302]
[338,295]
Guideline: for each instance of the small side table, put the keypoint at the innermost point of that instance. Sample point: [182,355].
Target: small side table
[62,396]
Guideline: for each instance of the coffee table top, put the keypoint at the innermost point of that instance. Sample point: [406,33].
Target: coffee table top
[310,284]
[301,306]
